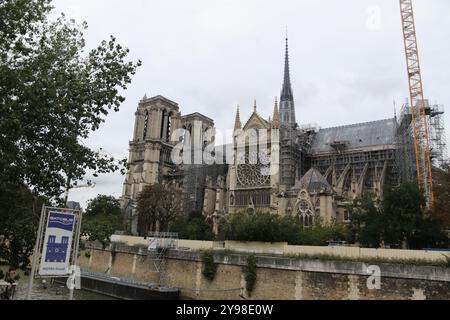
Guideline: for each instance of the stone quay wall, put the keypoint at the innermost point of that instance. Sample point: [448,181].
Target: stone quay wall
[277,277]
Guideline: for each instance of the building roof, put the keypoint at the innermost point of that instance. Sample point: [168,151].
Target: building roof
[198,115]
[160,98]
[355,136]
[312,181]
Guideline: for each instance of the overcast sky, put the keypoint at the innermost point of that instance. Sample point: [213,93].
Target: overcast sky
[347,60]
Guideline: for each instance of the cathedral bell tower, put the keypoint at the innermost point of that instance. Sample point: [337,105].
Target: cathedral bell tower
[149,154]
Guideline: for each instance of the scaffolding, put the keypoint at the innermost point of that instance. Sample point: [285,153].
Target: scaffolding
[438,144]
[406,160]
[160,243]
[438,141]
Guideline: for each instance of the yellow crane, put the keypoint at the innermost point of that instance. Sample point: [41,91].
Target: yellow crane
[417,103]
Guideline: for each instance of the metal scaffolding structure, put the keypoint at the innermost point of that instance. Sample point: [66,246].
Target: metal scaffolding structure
[406,160]
[438,143]
[160,243]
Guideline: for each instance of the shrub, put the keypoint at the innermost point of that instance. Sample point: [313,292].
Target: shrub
[192,227]
[267,227]
[250,274]
[209,267]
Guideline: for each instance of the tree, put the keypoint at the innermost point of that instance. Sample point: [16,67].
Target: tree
[103,205]
[53,94]
[18,225]
[192,227]
[441,210]
[398,220]
[158,205]
[366,221]
[402,213]
[102,218]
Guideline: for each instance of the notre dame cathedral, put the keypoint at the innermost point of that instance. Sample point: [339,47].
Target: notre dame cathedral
[319,172]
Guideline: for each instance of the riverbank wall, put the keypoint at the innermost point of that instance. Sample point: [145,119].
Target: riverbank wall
[277,277]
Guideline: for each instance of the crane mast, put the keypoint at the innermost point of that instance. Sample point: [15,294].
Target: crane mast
[418,108]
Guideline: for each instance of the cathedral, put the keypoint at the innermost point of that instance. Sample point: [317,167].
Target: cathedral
[318,172]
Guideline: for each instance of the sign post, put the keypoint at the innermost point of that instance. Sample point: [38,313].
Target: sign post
[57,244]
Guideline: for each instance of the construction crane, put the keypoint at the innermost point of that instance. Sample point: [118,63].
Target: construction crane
[417,104]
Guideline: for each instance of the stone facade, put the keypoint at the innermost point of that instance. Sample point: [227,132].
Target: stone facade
[150,161]
[277,278]
[304,172]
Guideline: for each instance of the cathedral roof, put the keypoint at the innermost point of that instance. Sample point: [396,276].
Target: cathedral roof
[256,120]
[356,136]
[312,181]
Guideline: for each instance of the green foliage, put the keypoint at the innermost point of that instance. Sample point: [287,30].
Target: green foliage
[398,220]
[209,267]
[54,93]
[103,217]
[87,254]
[366,221]
[319,234]
[441,210]
[192,227]
[19,219]
[402,208]
[267,227]
[103,205]
[250,274]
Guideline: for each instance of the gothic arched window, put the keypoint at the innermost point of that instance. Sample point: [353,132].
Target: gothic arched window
[305,211]
[163,118]
[169,126]
[146,121]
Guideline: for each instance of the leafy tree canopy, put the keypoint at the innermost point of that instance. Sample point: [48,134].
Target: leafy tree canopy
[103,205]
[102,218]
[192,227]
[398,220]
[441,210]
[158,205]
[19,217]
[53,93]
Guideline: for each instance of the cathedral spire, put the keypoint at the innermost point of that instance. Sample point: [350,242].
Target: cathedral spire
[237,122]
[276,115]
[287,108]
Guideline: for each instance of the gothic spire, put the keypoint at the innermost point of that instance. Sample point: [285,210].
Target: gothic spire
[237,122]
[287,108]
[276,115]
[287,91]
